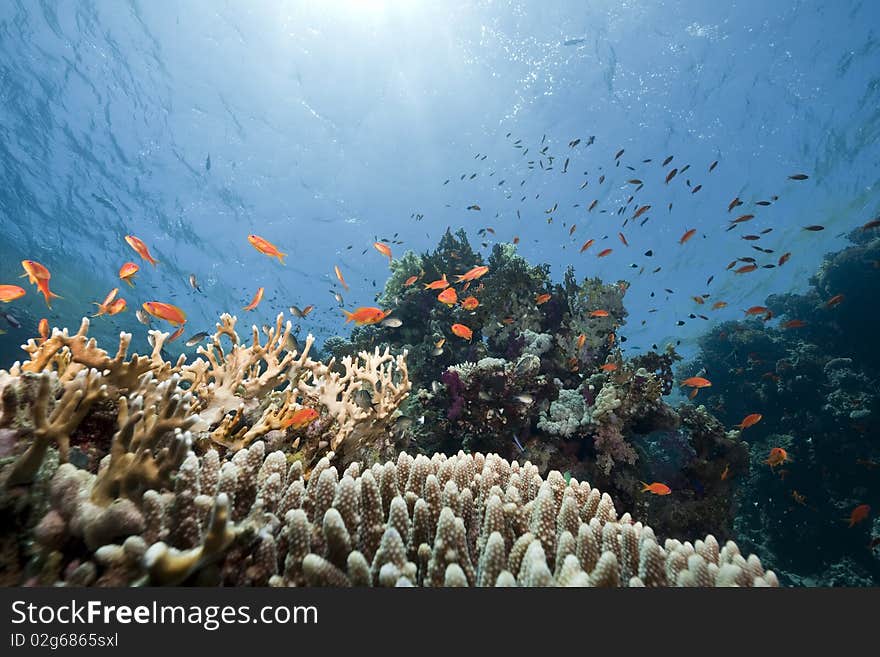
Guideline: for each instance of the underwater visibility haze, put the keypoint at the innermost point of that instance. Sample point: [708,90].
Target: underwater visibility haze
[408,274]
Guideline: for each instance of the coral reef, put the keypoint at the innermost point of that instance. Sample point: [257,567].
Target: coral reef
[812,374]
[466,520]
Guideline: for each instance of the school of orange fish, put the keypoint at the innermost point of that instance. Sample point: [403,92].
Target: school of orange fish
[113,304]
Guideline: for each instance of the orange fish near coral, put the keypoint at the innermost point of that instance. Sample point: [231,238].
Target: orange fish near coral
[470,303]
[656,488]
[43,328]
[609,367]
[266,247]
[835,300]
[339,276]
[39,276]
[472,275]
[256,300]
[365,315]
[582,339]
[687,235]
[599,313]
[11,293]
[696,382]
[170,313]
[794,323]
[141,249]
[409,281]
[301,419]
[117,307]
[777,456]
[104,306]
[726,472]
[439,284]
[384,249]
[750,421]
[542,299]
[127,272]
[858,514]
[756,310]
[462,331]
[448,296]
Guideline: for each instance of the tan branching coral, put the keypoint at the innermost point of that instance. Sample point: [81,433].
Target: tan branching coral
[67,355]
[53,421]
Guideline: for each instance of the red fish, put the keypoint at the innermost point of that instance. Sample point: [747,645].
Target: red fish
[835,300]
[448,296]
[750,421]
[623,239]
[687,235]
[384,249]
[256,300]
[587,245]
[266,248]
[439,284]
[745,269]
[609,367]
[339,276]
[860,513]
[43,328]
[141,249]
[794,323]
[127,272]
[471,275]
[409,281]
[656,488]
[784,258]
[11,293]
[696,382]
[599,313]
[462,331]
[39,276]
[171,314]
[603,253]
[777,456]
[104,306]
[301,419]
[542,298]
[470,303]
[365,315]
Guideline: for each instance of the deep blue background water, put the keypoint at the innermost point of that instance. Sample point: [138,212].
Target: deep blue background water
[330,123]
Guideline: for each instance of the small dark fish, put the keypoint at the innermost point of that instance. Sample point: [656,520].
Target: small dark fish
[363,399]
[208,163]
[571,144]
[565,166]
[198,337]
[671,175]
[619,153]
[711,278]
[696,189]
[473,207]
[446,182]
[713,165]
[11,320]
[798,176]
[649,253]
[667,160]
[291,343]
[814,228]
[685,168]
[679,323]
[764,203]
[194,284]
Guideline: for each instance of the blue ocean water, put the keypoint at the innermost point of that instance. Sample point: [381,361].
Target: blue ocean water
[331,124]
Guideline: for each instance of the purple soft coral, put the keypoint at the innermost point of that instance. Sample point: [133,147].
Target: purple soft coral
[455,388]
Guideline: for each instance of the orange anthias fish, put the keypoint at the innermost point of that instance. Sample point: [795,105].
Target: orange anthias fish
[542,299]
[587,245]
[43,328]
[104,306]
[777,456]
[339,276]
[604,252]
[756,310]
[117,307]
[794,323]
[858,514]
[39,276]
[687,235]
[301,419]
[783,258]
[127,272]
[835,300]
[599,313]
[384,249]
[718,305]
[170,313]
[745,269]
[623,239]
[582,339]
[409,281]
[266,248]
[439,284]
[256,300]
[472,275]
[642,210]
[750,421]
[470,303]
[696,382]
[11,293]
[141,249]
[448,296]
[726,472]
[462,331]
[609,367]
[656,488]
[365,315]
